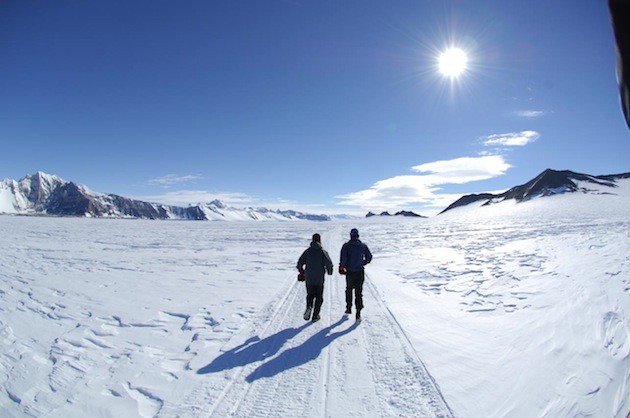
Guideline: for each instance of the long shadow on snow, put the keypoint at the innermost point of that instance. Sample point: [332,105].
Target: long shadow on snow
[252,350]
[302,354]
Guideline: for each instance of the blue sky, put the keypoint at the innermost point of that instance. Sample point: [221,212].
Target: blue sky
[323,106]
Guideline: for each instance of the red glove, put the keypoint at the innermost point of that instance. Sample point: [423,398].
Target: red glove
[342,269]
[301,276]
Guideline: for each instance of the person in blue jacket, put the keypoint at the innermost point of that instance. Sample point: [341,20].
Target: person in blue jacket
[313,264]
[354,256]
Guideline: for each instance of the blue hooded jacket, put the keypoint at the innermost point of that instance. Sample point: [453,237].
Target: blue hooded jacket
[355,255]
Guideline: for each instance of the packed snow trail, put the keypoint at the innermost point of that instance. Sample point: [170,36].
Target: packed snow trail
[283,365]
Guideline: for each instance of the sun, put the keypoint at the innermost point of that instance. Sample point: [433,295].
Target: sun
[452,62]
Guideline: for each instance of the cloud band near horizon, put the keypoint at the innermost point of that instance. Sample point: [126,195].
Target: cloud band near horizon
[172,179]
[422,189]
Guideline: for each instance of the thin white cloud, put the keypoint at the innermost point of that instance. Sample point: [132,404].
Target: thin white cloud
[172,179]
[192,197]
[235,199]
[284,204]
[530,114]
[466,169]
[511,139]
[422,189]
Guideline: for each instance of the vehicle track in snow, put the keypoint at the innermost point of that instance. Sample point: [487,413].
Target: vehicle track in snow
[285,366]
[245,395]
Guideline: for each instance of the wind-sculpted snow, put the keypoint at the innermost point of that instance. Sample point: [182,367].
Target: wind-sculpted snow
[520,312]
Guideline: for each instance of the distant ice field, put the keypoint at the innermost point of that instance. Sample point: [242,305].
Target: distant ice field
[521,311]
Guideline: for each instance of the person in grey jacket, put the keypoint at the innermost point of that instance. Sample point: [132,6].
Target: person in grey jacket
[314,263]
[354,256]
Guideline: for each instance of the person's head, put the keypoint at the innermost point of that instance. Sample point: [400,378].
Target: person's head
[317,238]
[354,233]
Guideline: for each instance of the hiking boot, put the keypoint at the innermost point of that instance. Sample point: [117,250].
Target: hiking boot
[348,311]
[358,315]
[307,313]
[315,318]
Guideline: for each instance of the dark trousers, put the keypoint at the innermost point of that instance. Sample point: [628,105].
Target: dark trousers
[354,281]
[316,294]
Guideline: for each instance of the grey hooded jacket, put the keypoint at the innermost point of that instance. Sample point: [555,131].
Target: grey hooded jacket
[317,262]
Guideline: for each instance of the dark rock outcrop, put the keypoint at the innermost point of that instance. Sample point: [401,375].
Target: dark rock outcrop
[404,213]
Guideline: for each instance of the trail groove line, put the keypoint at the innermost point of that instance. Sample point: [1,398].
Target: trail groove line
[250,396]
[406,343]
[292,291]
[298,368]
[326,375]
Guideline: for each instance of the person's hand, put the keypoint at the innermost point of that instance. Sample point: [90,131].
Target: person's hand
[301,276]
[342,269]
[330,271]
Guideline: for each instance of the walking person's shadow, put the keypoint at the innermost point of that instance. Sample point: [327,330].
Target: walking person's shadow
[302,354]
[252,350]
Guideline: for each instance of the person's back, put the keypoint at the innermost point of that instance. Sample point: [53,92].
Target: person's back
[313,264]
[354,256]
[317,262]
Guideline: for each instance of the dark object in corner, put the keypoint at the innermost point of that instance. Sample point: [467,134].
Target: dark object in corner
[620,15]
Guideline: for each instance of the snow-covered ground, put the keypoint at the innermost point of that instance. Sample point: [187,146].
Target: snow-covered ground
[514,310]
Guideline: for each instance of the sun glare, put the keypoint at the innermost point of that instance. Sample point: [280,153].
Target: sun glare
[452,62]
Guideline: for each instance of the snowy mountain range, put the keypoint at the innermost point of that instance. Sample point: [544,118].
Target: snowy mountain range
[548,183]
[46,194]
